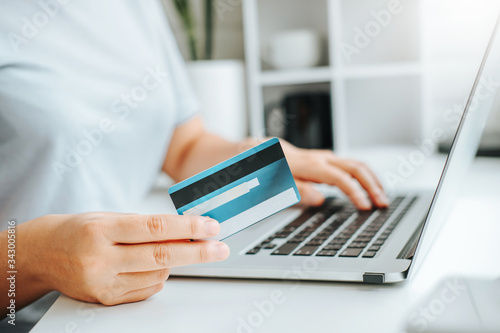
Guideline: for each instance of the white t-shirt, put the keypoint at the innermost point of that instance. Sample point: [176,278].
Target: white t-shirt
[90,93]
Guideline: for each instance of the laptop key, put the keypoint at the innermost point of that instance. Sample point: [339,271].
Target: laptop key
[285,249]
[297,240]
[302,218]
[359,245]
[315,242]
[294,225]
[374,248]
[335,247]
[306,250]
[305,233]
[254,250]
[363,238]
[367,234]
[345,235]
[369,254]
[326,253]
[351,252]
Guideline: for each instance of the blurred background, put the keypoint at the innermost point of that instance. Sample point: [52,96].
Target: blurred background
[342,74]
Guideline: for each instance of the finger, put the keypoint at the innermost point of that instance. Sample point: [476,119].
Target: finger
[138,295]
[154,228]
[309,195]
[370,171]
[361,173]
[153,256]
[335,160]
[334,176]
[375,177]
[141,280]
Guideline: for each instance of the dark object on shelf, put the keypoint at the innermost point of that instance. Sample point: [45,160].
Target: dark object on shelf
[303,119]
[489,147]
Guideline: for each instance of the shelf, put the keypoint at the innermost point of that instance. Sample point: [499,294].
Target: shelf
[407,65]
[325,74]
[297,76]
[382,70]
[452,67]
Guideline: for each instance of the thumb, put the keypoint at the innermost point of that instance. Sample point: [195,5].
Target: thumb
[310,196]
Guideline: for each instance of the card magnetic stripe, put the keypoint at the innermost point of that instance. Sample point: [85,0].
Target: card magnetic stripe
[273,179]
[233,172]
[222,198]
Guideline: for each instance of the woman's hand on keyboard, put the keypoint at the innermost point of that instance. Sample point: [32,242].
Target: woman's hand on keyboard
[354,178]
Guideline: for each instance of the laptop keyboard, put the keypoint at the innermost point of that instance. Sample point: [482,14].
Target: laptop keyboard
[336,230]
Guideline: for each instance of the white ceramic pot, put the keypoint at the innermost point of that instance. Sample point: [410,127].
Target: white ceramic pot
[220,88]
[294,49]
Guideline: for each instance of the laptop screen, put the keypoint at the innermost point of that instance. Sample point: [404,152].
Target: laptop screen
[483,98]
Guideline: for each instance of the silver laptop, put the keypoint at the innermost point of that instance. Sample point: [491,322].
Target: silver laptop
[336,242]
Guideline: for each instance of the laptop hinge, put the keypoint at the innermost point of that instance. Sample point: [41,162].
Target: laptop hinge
[411,246]
[376,278]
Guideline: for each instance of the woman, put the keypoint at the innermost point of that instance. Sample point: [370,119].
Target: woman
[94,102]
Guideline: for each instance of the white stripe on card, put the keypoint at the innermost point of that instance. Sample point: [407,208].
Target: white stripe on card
[257,213]
[223,198]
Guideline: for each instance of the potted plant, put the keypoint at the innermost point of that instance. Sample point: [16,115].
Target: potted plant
[219,84]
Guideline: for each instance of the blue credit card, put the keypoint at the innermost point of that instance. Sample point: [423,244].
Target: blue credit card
[240,191]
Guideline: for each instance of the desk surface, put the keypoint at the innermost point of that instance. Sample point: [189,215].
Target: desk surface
[224,305]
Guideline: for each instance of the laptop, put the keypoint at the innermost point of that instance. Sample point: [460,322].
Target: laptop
[336,242]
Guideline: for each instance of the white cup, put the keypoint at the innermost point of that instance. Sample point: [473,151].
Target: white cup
[294,49]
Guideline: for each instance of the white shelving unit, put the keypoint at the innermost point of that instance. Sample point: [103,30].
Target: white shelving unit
[387,93]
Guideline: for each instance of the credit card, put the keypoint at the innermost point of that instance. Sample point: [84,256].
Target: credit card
[241,191]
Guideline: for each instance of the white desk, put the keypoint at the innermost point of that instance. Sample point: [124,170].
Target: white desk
[468,240]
